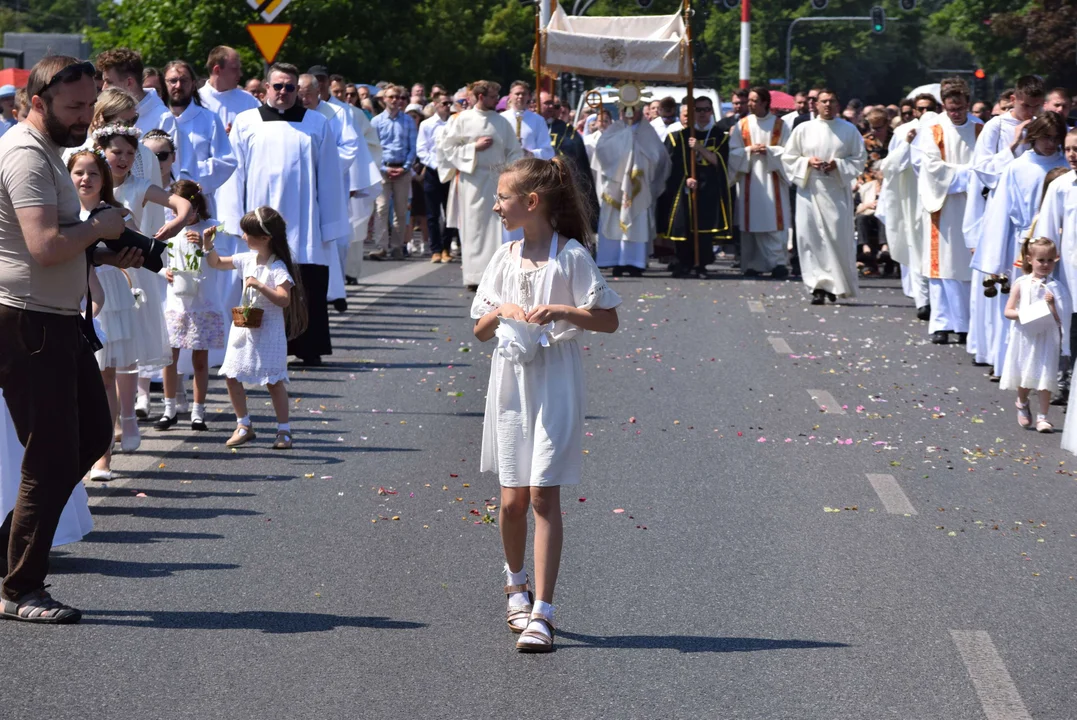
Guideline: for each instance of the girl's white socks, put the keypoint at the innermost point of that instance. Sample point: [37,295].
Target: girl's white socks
[517,578]
[198,412]
[544,609]
[245,420]
[170,407]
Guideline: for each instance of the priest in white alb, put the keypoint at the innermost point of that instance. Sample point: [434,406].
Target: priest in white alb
[287,158]
[899,211]
[531,130]
[476,144]
[942,156]
[631,167]
[822,158]
[756,145]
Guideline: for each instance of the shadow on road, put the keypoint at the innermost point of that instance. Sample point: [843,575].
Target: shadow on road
[286,623]
[127,569]
[689,643]
[145,537]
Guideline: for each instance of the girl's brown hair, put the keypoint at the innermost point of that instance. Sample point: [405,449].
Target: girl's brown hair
[107,194]
[559,190]
[191,191]
[1048,125]
[267,222]
[1029,244]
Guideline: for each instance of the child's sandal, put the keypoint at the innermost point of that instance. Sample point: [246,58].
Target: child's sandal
[283,441]
[518,615]
[545,642]
[1043,426]
[1024,415]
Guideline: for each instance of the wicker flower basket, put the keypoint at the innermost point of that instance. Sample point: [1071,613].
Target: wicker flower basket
[247,317]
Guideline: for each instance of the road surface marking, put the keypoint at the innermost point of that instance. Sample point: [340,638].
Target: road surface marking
[155,446]
[780,345]
[994,686]
[826,402]
[755,306]
[894,499]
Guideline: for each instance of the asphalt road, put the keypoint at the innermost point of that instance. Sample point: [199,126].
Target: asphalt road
[824,516]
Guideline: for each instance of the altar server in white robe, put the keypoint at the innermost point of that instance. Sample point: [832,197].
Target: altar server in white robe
[349,148]
[756,145]
[942,155]
[222,96]
[631,167]
[531,130]
[1058,221]
[590,141]
[1011,208]
[364,177]
[899,210]
[822,158]
[475,145]
[287,158]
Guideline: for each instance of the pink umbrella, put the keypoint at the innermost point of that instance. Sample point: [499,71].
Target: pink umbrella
[782,101]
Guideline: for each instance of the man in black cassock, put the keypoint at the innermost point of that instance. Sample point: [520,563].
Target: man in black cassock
[712,194]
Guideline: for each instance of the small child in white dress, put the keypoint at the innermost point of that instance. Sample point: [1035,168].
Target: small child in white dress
[259,355]
[536,296]
[195,319]
[1031,361]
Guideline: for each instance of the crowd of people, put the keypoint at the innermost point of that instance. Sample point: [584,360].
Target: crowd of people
[156,224]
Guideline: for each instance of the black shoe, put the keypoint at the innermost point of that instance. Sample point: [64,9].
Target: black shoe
[923,313]
[618,270]
[199,425]
[340,305]
[165,422]
[349,280]
[780,273]
[679,272]
[941,337]
[832,297]
[633,271]
[752,273]
[736,263]
[701,273]
[818,297]
[980,364]
[473,288]
[962,338]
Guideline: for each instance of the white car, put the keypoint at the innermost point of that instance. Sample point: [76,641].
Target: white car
[657,92]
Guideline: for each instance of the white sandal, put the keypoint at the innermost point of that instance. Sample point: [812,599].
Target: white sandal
[1043,426]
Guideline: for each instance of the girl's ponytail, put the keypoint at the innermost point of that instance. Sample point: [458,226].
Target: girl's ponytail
[557,185]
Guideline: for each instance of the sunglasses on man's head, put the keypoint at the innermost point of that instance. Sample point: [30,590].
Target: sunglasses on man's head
[69,74]
[286,87]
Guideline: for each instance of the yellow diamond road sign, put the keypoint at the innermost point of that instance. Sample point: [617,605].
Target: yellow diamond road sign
[269,9]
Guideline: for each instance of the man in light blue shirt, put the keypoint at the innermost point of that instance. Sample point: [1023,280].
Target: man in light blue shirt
[7,108]
[398,134]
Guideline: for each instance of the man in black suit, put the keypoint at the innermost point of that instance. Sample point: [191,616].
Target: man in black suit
[569,143]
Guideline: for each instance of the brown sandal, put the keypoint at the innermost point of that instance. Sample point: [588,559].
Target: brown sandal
[545,643]
[517,613]
[283,441]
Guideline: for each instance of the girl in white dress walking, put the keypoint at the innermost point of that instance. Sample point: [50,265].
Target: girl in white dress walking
[536,296]
[259,355]
[1039,307]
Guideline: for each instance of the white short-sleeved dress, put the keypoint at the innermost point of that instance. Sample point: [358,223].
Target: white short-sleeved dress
[150,332]
[1032,359]
[533,428]
[195,322]
[259,356]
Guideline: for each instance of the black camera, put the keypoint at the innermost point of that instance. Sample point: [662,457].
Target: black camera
[152,249]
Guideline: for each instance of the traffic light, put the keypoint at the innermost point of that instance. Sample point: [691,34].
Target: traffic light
[878,19]
[907,5]
[644,3]
[730,4]
[819,4]
[979,84]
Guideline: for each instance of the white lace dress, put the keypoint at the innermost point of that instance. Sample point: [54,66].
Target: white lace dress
[533,429]
[259,356]
[150,332]
[1032,358]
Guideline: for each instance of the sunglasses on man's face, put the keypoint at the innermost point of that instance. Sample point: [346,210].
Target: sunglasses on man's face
[703,109]
[286,87]
[445,103]
[69,74]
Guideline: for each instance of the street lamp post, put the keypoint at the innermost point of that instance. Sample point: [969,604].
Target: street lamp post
[789,38]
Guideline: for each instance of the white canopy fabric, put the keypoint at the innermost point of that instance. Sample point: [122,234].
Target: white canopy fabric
[647,47]
[931,89]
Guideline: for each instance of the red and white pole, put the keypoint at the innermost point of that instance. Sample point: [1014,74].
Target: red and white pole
[745,43]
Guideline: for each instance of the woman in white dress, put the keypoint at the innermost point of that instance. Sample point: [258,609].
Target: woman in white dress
[532,434]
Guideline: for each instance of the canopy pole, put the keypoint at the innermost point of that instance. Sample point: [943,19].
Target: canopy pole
[690,99]
[538,52]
